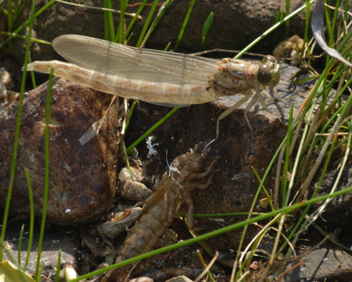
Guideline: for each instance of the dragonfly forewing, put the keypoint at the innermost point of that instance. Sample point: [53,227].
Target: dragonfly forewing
[164,78]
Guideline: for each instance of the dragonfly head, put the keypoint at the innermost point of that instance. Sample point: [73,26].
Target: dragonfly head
[269,71]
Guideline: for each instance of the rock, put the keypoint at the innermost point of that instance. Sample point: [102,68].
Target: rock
[121,222]
[130,189]
[125,174]
[134,191]
[142,279]
[54,239]
[179,279]
[327,263]
[82,178]
[235,25]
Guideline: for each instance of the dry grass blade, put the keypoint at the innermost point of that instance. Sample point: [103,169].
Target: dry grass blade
[290,269]
[208,267]
[283,264]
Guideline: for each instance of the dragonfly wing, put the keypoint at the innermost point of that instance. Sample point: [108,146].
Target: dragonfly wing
[135,63]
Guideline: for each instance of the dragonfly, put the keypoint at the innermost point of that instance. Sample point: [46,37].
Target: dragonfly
[160,77]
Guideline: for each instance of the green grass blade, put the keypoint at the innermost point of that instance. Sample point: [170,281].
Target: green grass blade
[32,73]
[287,24]
[207,25]
[287,157]
[328,23]
[180,35]
[161,12]
[130,112]
[334,19]
[19,12]
[19,249]
[126,160]
[46,172]
[146,24]
[167,46]
[129,38]
[17,131]
[26,23]
[9,21]
[120,37]
[31,224]
[58,267]
[306,28]
[109,22]
[140,9]
[40,271]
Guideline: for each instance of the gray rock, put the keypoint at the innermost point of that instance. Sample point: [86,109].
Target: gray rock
[326,263]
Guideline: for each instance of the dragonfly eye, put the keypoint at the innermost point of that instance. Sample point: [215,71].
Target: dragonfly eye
[264,74]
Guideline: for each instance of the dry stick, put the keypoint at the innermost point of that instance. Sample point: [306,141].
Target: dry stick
[226,50]
[95,128]
[290,269]
[208,267]
[337,134]
[97,8]
[243,276]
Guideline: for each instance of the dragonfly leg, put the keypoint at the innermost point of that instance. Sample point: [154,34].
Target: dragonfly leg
[249,106]
[229,111]
[226,113]
[277,96]
[262,102]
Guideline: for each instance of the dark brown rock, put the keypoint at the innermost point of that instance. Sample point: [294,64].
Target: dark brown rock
[234,184]
[236,149]
[82,178]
